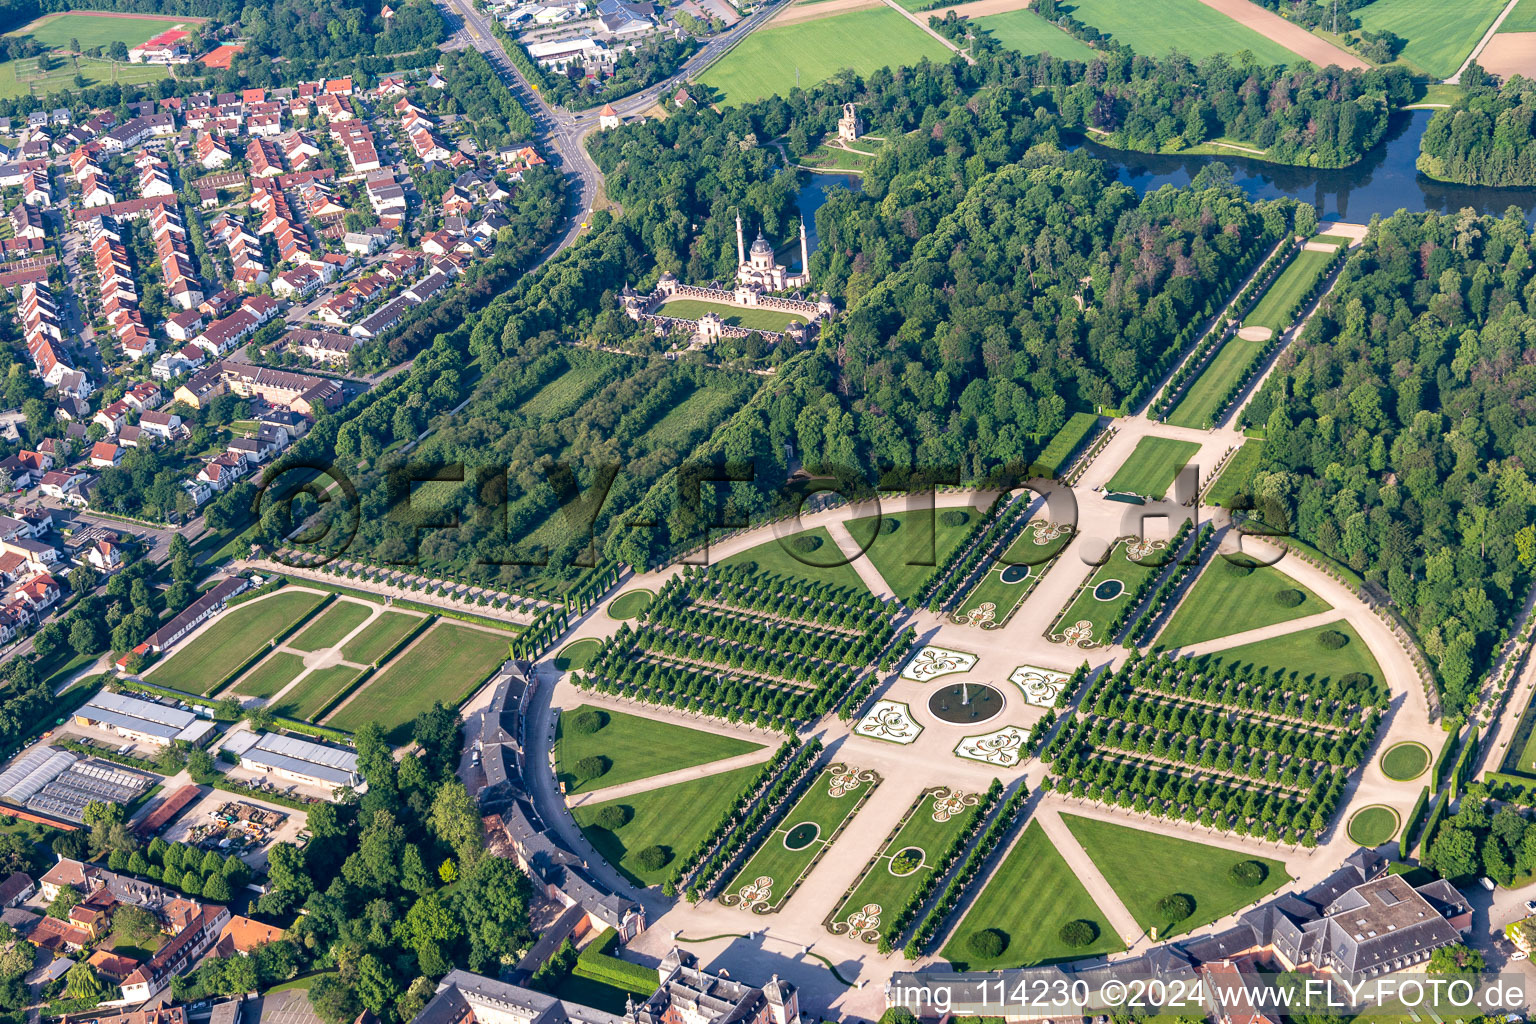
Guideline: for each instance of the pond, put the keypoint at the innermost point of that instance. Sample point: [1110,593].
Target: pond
[814,192]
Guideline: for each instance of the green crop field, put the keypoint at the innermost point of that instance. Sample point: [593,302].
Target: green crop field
[1277,308]
[1028,33]
[315,692]
[785,856]
[447,663]
[1099,608]
[1301,653]
[677,429]
[382,634]
[1225,600]
[24,78]
[1151,467]
[905,555]
[1030,896]
[824,564]
[1521,19]
[772,61]
[1374,825]
[751,319]
[1055,455]
[1440,35]
[233,639]
[1200,404]
[882,885]
[1405,761]
[98,29]
[1002,587]
[270,675]
[674,818]
[1143,867]
[636,748]
[341,618]
[1237,475]
[564,393]
[1189,26]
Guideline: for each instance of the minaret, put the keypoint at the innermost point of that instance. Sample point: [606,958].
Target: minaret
[741,244]
[805,254]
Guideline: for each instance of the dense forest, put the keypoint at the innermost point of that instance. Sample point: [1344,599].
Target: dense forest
[1400,432]
[1488,137]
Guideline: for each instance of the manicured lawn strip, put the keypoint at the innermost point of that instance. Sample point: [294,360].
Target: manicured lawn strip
[315,693]
[1023,551]
[781,559]
[674,817]
[21,77]
[1055,455]
[1440,35]
[201,665]
[271,675]
[785,866]
[1238,474]
[1029,33]
[597,994]
[765,63]
[1151,467]
[891,553]
[1405,761]
[577,656]
[341,618]
[630,604]
[1143,867]
[1189,26]
[1372,826]
[1235,361]
[95,30]
[1300,653]
[382,634]
[1030,896]
[752,319]
[1087,608]
[1222,603]
[1334,240]
[446,664]
[1277,307]
[890,891]
[637,748]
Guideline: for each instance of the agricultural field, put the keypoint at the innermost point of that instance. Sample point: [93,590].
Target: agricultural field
[1237,476]
[772,61]
[565,392]
[1232,597]
[1029,898]
[1144,867]
[1055,456]
[95,28]
[25,77]
[270,676]
[341,618]
[789,852]
[382,634]
[1439,35]
[632,747]
[1521,19]
[903,864]
[1277,308]
[1189,26]
[460,657]
[810,555]
[735,316]
[1150,469]
[314,693]
[1012,577]
[674,818]
[232,639]
[910,545]
[1105,597]
[1029,33]
[1303,654]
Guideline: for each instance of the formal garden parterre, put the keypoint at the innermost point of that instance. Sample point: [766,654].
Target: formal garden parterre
[1103,603]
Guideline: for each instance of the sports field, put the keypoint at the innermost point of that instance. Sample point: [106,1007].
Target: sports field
[1189,26]
[635,747]
[271,675]
[341,618]
[382,634]
[1230,598]
[751,319]
[315,693]
[1013,576]
[1439,34]
[232,640]
[1302,654]
[907,553]
[1277,309]
[24,78]
[1086,621]
[906,860]
[787,854]
[1152,466]
[772,61]
[824,563]
[445,664]
[1143,867]
[95,28]
[1029,33]
[1030,896]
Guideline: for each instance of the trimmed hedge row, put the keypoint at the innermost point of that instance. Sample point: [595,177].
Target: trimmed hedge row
[687,862]
[1411,827]
[1170,584]
[595,963]
[1443,760]
[994,539]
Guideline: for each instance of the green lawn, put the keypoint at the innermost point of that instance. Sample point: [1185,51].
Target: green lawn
[675,818]
[1521,19]
[1300,653]
[788,852]
[577,656]
[270,676]
[1100,608]
[824,564]
[1151,467]
[447,663]
[637,748]
[677,428]
[1189,26]
[1054,456]
[315,692]
[92,29]
[1143,867]
[1223,602]
[1030,896]
[382,634]
[1004,594]
[22,77]
[630,604]
[1405,761]
[906,555]
[1277,308]
[772,61]
[341,618]
[751,319]
[1238,474]
[1028,33]
[1439,34]
[1333,240]
[1205,398]
[233,639]
[1374,825]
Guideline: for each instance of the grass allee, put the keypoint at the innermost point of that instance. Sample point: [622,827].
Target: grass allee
[786,867]
[1152,466]
[1024,551]
[232,640]
[1118,567]
[315,693]
[1277,308]
[1030,896]
[1224,602]
[675,818]
[379,636]
[271,675]
[1238,474]
[636,748]
[1144,867]
[907,554]
[1300,654]
[824,563]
